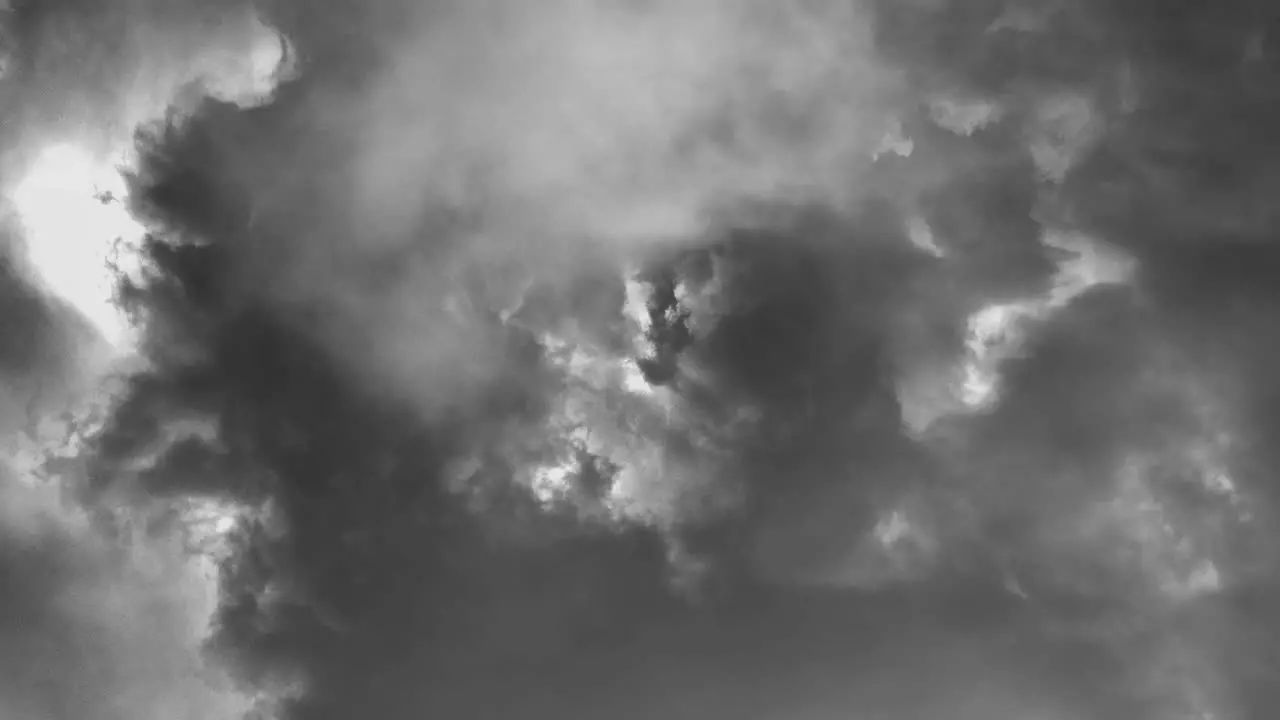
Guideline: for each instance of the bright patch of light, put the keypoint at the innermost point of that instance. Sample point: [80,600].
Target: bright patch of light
[633,380]
[635,308]
[209,523]
[550,482]
[921,235]
[71,208]
[995,332]
[1088,263]
[248,76]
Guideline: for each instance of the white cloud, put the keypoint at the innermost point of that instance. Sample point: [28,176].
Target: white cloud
[71,206]
[636,121]
[998,331]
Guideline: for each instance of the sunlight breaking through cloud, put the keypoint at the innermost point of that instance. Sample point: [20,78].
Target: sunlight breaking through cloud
[889,324]
[72,206]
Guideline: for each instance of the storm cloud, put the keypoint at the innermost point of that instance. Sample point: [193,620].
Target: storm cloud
[641,358]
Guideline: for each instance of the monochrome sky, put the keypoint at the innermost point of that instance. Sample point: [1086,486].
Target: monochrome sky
[638,359]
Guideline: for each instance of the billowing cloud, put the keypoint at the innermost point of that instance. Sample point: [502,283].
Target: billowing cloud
[514,333]
[635,120]
[105,612]
[106,608]
[90,73]
[101,628]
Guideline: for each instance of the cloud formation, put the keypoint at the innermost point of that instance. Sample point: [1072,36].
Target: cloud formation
[564,340]
[101,620]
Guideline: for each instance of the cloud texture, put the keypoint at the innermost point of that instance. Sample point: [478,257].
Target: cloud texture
[571,359]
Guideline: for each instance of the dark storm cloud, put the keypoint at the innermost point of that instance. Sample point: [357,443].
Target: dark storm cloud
[427,209]
[400,296]
[98,623]
[378,577]
[92,627]
[1151,382]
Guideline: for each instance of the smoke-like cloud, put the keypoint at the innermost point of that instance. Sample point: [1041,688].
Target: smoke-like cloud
[100,620]
[96,624]
[633,120]
[98,628]
[91,72]
[511,321]
[640,125]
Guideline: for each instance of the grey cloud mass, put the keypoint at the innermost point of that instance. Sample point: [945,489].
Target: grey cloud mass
[641,358]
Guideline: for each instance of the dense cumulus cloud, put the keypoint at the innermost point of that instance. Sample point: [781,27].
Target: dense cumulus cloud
[643,358]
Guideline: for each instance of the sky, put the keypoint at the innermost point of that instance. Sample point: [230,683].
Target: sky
[750,359]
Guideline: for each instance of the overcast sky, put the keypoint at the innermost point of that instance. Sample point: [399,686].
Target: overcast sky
[883,359]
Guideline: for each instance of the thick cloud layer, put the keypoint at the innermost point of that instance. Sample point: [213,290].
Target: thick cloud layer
[645,359]
[96,624]
[101,620]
